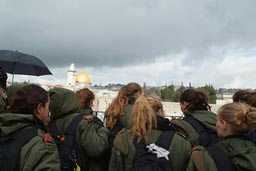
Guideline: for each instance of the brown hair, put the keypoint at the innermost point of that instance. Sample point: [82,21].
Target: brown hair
[240,116]
[156,103]
[241,96]
[85,97]
[197,99]
[143,119]
[125,95]
[27,98]
[245,96]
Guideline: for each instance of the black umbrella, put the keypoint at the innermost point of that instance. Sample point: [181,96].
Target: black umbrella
[15,62]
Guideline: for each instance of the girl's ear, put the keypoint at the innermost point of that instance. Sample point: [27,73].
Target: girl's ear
[224,125]
[38,109]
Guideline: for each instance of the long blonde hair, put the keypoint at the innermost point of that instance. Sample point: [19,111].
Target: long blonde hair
[117,107]
[240,116]
[143,119]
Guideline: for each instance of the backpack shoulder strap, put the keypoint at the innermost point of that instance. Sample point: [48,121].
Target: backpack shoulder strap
[70,139]
[199,127]
[12,149]
[165,139]
[71,129]
[222,161]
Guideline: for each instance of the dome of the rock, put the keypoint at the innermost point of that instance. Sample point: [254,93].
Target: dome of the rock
[83,77]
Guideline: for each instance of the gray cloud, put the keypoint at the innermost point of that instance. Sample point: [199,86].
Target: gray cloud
[93,33]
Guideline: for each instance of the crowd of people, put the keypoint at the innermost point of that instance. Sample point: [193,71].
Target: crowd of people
[57,130]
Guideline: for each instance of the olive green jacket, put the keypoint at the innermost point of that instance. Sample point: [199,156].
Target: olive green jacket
[38,154]
[124,151]
[91,136]
[127,115]
[241,152]
[208,118]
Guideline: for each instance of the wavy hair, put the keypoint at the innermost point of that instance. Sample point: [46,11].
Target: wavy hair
[240,116]
[143,119]
[127,94]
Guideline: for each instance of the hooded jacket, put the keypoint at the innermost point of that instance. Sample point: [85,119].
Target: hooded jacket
[207,118]
[40,153]
[123,153]
[91,136]
[241,152]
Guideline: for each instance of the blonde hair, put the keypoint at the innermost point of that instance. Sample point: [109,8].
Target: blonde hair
[156,103]
[117,107]
[143,119]
[240,116]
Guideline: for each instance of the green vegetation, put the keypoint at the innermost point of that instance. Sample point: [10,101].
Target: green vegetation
[171,93]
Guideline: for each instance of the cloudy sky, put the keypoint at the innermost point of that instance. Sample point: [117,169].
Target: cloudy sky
[158,42]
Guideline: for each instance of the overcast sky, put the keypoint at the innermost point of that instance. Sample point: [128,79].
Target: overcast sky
[154,41]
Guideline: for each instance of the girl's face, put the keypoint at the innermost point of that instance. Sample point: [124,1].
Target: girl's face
[183,106]
[91,103]
[42,112]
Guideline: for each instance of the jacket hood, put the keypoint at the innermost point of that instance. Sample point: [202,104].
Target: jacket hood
[208,118]
[242,152]
[12,122]
[63,102]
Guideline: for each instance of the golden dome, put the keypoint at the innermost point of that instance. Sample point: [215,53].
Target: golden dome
[83,77]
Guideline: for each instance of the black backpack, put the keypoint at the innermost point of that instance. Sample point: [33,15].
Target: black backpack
[71,158]
[10,148]
[207,136]
[146,160]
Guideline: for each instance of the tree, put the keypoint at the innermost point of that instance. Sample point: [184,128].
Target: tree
[210,91]
[178,93]
[168,93]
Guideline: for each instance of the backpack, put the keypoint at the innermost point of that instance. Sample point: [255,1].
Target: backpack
[112,135]
[10,149]
[71,158]
[207,136]
[146,158]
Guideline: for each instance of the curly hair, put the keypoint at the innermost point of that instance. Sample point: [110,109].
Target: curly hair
[117,107]
[240,116]
[85,97]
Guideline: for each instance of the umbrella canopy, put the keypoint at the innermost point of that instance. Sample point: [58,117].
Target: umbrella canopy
[15,62]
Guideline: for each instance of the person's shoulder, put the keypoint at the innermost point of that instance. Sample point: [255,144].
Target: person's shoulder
[41,141]
[121,141]
[123,134]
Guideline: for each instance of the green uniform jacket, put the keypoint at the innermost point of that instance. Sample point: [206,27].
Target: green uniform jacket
[241,152]
[124,151]
[91,136]
[208,118]
[38,154]
[126,117]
